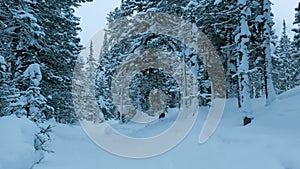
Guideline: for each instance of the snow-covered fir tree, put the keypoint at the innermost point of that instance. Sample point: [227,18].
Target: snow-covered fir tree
[44,33]
[8,91]
[60,57]
[296,45]
[285,64]
[31,102]
[85,88]
[297,29]
[121,50]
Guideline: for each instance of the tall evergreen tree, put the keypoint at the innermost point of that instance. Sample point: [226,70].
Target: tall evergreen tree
[44,33]
[284,64]
[145,40]
[60,56]
[8,91]
[297,29]
[296,46]
[90,109]
[31,102]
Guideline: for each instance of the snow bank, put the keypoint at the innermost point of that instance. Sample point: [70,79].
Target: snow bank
[293,92]
[272,141]
[16,143]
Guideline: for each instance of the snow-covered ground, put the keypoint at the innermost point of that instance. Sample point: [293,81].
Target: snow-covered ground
[17,143]
[272,141]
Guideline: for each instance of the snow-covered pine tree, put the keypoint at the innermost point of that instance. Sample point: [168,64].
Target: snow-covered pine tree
[297,29]
[22,45]
[218,19]
[90,109]
[120,51]
[267,46]
[242,39]
[5,18]
[3,85]
[284,64]
[79,83]
[31,102]
[25,37]
[43,32]
[296,45]
[284,43]
[8,92]
[59,58]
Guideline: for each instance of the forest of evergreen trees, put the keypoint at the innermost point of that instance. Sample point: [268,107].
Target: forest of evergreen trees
[39,48]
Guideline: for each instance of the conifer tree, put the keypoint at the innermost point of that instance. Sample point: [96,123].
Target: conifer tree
[8,91]
[284,64]
[296,45]
[43,33]
[297,30]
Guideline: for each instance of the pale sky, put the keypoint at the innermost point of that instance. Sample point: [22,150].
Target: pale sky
[93,16]
[284,9]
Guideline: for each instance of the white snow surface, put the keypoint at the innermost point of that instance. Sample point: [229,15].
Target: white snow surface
[16,143]
[271,141]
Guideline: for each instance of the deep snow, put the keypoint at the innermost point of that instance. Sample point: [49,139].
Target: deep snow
[271,141]
[17,143]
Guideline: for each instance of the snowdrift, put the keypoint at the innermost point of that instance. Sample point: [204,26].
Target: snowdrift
[17,143]
[271,141]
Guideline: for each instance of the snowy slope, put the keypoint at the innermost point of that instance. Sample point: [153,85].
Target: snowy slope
[16,143]
[272,141]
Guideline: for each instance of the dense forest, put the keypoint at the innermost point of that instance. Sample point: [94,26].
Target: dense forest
[60,101]
[39,48]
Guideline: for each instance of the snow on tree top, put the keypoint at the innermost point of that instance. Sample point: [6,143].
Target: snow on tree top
[33,72]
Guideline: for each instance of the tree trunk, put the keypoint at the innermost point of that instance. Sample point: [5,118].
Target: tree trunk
[270,91]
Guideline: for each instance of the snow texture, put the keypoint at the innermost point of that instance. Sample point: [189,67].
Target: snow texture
[33,72]
[271,141]
[17,143]
[2,63]
[2,60]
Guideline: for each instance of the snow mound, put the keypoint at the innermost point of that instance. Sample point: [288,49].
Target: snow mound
[272,141]
[290,93]
[17,143]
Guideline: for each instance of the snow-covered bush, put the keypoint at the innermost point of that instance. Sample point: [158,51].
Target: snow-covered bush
[42,139]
